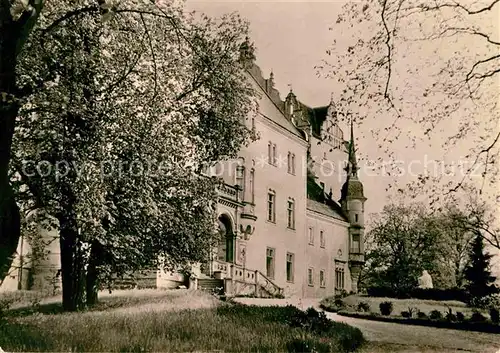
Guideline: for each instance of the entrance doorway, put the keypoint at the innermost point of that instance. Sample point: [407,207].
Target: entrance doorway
[226,243]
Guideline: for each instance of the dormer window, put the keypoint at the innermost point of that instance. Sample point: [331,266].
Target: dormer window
[290,109]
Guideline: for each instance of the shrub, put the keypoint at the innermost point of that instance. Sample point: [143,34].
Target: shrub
[420,293]
[488,301]
[5,304]
[363,306]
[460,316]
[307,346]
[435,315]
[406,314]
[333,304]
[349,339]
[494,315]
[477,317]
[450,316]
[311,320]
[386,308]
[421,315]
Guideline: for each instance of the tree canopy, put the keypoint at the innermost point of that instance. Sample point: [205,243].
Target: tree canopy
[129,102]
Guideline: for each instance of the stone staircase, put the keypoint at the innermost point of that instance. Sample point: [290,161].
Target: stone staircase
[211,284]
[236,281]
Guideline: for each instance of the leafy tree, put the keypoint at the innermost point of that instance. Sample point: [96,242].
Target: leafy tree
[478,274]
[454,242]
[412,62]
[112,141]
[404,240]
[17,20]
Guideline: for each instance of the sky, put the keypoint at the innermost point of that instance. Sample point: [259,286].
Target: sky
[292,37]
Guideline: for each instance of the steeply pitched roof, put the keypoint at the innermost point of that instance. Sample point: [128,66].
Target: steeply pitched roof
[318,201]
[276,112]
[316,117]
[325,210]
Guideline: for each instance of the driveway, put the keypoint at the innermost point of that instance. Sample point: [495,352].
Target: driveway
[392,337]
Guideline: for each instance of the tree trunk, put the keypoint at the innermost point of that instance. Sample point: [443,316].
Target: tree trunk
[72,265]
[93,275]
[10,226]
[9,213]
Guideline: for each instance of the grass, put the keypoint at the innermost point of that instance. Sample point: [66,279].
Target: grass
[400,305]
[167,321]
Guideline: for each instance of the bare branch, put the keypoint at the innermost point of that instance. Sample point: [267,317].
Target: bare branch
[470,74]
[457,5]
[389,49]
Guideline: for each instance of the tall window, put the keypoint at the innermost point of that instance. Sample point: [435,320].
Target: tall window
[339,278]
[291,163]
[271,153]
[251,181]
[271,207]
[322,239]
[291,213]
[240,179]
[356,244]
[270,263]
[311,236]
[289,267]
[322,281]
[356,217]
[310,276]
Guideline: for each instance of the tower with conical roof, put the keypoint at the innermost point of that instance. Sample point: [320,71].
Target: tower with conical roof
[352,201]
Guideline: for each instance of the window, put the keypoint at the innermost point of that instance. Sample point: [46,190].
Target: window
[291,214]
[356,244]
[289,267]
[322,186]
[310,276]
[240,178]
[324,155]
[251,181]
[322,282]
[356,217]
[270,263]
[271,207]
[311,236]
[322,239]
[271,153]
[291,163]
[339,278]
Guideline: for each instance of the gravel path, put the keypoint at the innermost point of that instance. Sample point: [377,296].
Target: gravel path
[392,337]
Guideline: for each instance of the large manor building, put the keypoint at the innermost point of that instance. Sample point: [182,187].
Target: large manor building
[290,226]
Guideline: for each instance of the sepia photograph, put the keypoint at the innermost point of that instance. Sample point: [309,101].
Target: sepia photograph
[250,176]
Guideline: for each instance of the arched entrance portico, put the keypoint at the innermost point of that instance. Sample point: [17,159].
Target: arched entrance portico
[226,242]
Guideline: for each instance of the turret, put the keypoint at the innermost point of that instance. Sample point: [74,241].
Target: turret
[352,201]
[247,53]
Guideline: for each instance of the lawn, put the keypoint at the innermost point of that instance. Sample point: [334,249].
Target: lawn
[168,321]
[400,305]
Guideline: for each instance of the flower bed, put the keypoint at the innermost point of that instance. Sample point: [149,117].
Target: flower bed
[485,326]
